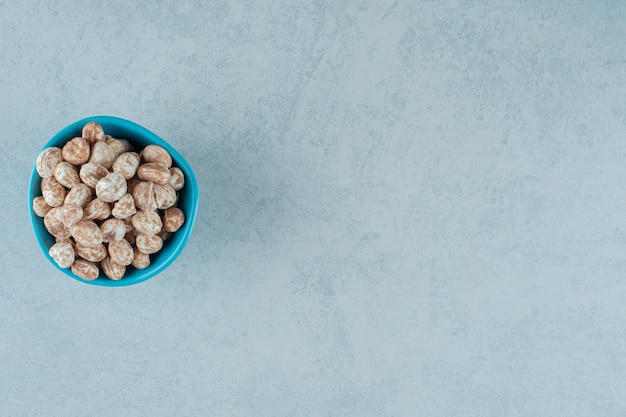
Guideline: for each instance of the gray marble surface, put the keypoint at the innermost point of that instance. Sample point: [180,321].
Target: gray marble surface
[408,208]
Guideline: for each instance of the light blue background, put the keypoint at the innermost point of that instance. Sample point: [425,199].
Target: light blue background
[409,208]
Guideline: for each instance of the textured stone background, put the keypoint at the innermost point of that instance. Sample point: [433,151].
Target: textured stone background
[409,208]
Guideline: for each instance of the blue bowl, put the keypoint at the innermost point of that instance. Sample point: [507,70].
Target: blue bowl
[139,137]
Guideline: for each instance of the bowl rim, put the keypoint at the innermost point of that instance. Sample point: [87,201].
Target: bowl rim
[190,214]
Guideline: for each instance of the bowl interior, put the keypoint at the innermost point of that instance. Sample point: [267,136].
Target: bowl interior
[139,137]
